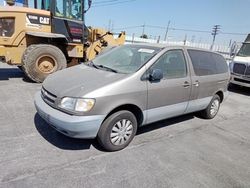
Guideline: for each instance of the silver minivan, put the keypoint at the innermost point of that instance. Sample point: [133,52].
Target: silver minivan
[131,86]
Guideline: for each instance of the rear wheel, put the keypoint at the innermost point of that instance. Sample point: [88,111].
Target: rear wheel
[211,111]
[117,131]
[41,60]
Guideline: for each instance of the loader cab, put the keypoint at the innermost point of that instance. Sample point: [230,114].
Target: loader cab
[67,9]
[67,17]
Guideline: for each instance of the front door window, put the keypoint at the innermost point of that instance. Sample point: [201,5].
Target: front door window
[173,64]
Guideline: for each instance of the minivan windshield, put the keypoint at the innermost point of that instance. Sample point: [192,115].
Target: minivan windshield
[244,50]
[125,59]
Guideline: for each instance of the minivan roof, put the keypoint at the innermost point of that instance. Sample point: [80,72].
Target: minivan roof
[156,45]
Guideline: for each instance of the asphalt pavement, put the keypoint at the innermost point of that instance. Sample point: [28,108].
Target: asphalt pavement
[181,152]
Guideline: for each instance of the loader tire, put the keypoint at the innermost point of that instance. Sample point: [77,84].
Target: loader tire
[41,60]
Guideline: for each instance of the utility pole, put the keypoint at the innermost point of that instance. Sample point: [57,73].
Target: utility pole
[193,38]
[109,27]
[166,34]
[185,40]
[133,38]
[215,31]
[143,29]
[112,26]
[159,38]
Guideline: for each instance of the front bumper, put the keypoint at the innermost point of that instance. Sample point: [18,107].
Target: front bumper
[72,126]
[240,80]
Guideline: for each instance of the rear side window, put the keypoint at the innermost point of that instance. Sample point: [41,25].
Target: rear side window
[221,64]
[207,63]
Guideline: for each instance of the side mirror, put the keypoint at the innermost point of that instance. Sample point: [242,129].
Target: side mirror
[232,54]
[89,5]
[156,75]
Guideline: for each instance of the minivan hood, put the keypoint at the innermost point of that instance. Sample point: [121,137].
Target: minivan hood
[79,80]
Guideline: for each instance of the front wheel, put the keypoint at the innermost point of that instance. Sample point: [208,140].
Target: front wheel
[211,111]
[41,60]
[117,131]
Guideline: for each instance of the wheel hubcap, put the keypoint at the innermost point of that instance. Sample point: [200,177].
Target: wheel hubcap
[46,64]
[214,107]
[121,132]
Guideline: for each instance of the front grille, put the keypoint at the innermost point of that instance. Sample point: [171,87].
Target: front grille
[241,80]
[247,73]
[48,97]
[239,68]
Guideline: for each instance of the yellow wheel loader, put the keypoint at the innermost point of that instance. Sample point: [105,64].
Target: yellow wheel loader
[50,36]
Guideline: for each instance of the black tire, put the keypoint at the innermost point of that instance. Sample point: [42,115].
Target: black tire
[207,113]
[104,134]
[35,55]
[232,86]
[20,68]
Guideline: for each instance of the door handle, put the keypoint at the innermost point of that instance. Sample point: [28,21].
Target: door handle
[196,83]
[186,84]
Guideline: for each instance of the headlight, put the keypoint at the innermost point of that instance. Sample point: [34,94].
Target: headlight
[77,104]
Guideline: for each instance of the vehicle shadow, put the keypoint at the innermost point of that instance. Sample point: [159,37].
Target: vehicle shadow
[239,89]
[66,143]
[59,140]
[164,123]
[7,73]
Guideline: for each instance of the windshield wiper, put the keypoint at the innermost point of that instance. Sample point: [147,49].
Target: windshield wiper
[91,64]
[107,68]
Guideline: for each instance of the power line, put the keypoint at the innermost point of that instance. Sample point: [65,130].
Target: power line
[107,1]
[233,33]
[130,27]
[177,29]
[189,30]
[115,3]
[155,26]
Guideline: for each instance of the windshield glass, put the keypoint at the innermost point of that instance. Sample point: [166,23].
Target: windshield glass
[126,59]
[244,50]
[70,9]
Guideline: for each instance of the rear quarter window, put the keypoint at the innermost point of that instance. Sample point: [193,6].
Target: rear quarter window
[221,64]
[207,63]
